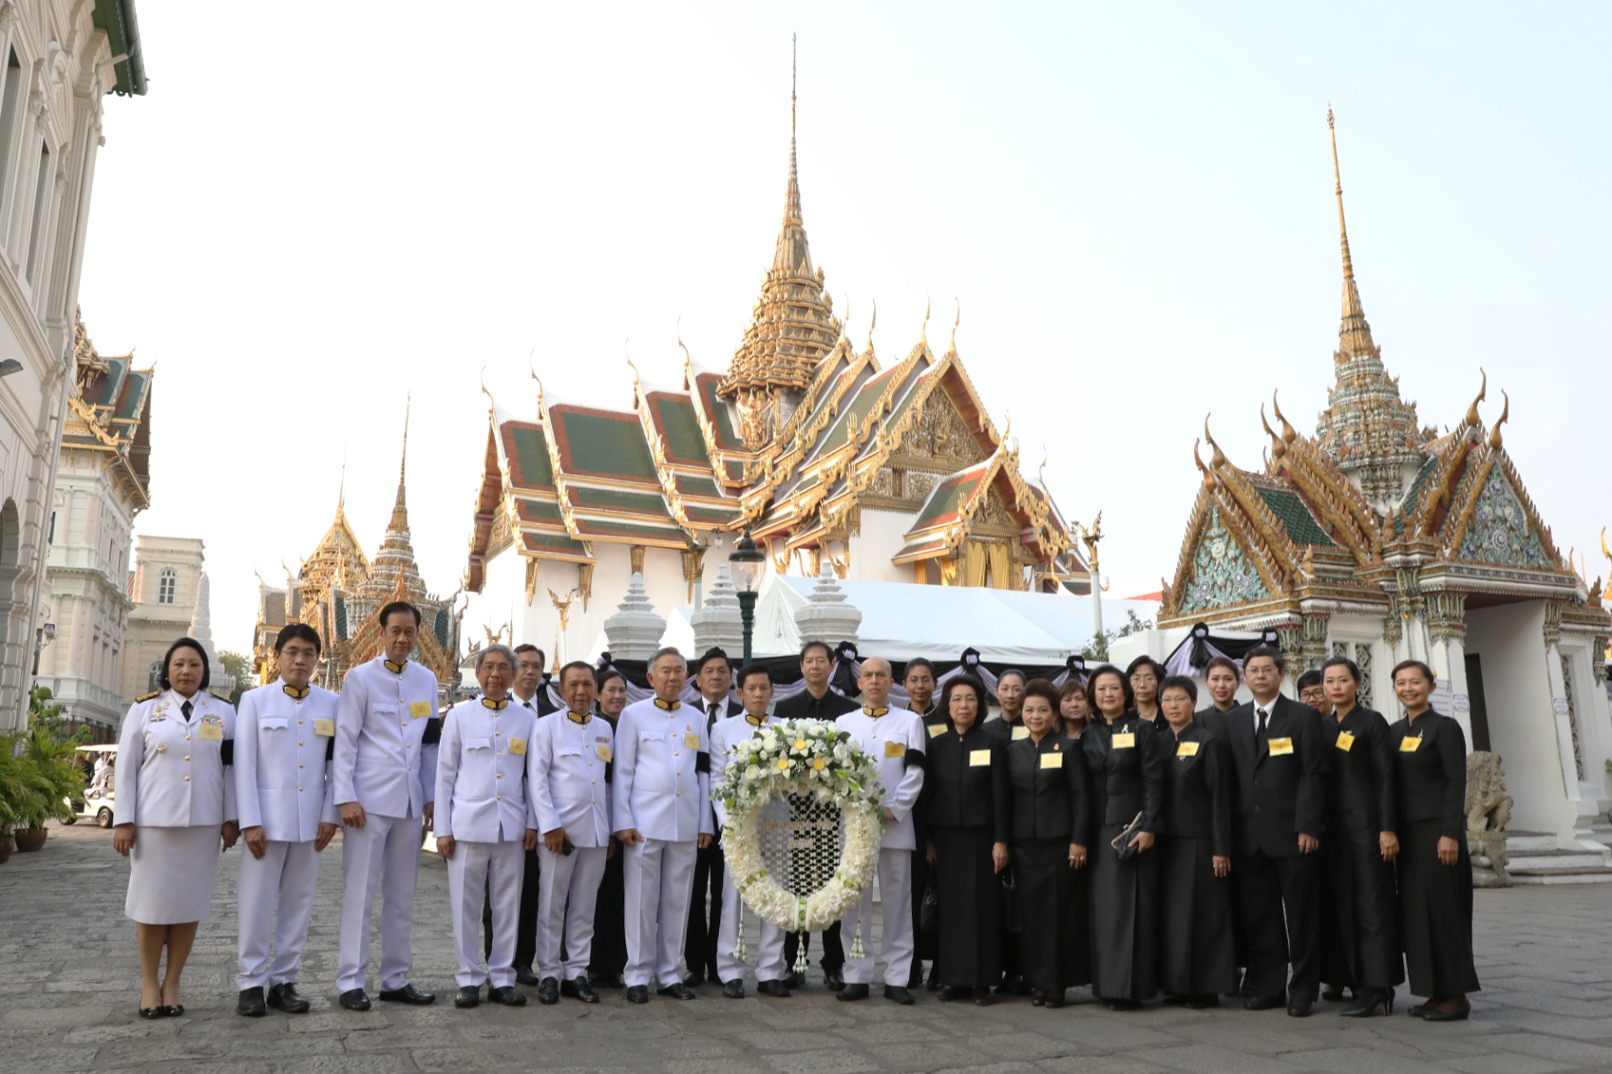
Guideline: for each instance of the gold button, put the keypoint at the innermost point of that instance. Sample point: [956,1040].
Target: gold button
[299,721]
[405,745]
[187,779]
[500,775]
[299,743]
[187,756]
[187,738]
[500,798]
[299,788]
[301,765]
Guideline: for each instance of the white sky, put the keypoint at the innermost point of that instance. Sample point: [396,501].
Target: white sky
[323,206]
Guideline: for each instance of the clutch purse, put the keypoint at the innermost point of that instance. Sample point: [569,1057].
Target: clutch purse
[1122,842]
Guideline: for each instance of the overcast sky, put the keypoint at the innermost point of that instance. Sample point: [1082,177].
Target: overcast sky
[315,211]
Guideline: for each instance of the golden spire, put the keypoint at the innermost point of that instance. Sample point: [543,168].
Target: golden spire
[1354,334]
[1483,393]
[792,193]
[1495,439]
[400,510]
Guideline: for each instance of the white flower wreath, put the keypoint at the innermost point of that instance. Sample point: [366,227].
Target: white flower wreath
[801,757]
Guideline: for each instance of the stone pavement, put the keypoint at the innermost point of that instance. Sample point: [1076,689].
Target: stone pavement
[70,988]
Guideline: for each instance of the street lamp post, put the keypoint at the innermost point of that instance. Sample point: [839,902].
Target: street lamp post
[745,566]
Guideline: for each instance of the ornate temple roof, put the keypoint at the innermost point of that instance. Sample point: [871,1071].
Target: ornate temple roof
[109,410]
[394,570]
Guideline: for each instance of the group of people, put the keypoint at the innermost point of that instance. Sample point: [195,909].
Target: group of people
[1103,833]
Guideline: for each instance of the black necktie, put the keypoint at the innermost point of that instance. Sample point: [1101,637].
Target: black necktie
[186,708]
[1259,733]
[715,705]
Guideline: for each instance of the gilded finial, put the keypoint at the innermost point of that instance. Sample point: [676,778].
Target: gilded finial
[1604,550]
[872,324]
[492,407]
[1483,393]
[1041,471]
[1288,435]
[1278,449]
[1209,481]
[341,489]
[923,333]
[1219,458]
[688,359]
[403,467]
[1495,439]
[957,320]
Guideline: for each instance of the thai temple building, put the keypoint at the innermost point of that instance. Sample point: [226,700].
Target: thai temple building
[339,591]
[1381,540]
[880,469]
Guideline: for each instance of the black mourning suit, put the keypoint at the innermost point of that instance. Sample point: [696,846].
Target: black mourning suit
[925,945]
[1199,956]
[1050,808]
[1125,761]
[704,925]
[966,794]
[1280,794]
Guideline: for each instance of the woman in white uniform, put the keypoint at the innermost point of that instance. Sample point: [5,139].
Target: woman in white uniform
[175,803]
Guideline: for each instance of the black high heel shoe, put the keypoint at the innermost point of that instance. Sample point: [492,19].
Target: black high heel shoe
[1368,1001]
[1431,1013]
[151,1013]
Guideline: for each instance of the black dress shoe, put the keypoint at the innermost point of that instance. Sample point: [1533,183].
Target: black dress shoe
[548,993]
[677,991]
[794,979]
[982,997]
[250,1004]
[852,992]
[1368,1002]
[934,977]
[1431,1013]
[283,997]
[694,980]
[834,978]
[1299,1007]
[151,1014]
[615,980]
[581,989]
[637,993]
[527,977]
[775,989]
[354,1000]
[1261,1003]
[734,989]
[897,994]
[1333,993]
[1203,1002]
[1123,1004]
[407,994]
[506,996]
[952,993]
[469,996]
[1054,1001]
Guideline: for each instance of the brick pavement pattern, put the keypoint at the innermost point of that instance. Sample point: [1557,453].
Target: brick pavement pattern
[69,991]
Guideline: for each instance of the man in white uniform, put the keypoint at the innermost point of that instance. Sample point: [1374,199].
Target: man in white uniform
[384,771]
[570,777]
[755,692]
[283,738]
[484,823]
[661,807]
[896,741]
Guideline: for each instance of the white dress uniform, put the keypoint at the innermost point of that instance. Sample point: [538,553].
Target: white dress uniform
[662,788]
[482,802]
[570,786]
[891,737]
[175,788]
[283,745]
[385,759]
[727,734]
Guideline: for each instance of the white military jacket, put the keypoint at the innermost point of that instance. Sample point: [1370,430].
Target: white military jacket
[570,773]
[387,729]
[173,772]
[898,745]
[481,772]
[662,778]
[283,746]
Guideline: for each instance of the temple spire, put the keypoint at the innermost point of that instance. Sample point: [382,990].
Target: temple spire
[1354,334]
[792,215]
[400,510]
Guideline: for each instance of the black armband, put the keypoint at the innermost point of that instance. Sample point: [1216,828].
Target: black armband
[702,762]
[433,732]
[226,751]
[610,771]
[330,749]
[915,759]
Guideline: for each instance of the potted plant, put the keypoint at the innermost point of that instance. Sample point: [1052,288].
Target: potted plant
[13,782]
[51,776]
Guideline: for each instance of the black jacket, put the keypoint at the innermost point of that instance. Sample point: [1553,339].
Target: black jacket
[1125,780]
[1005,732]
[803,706]
[966,783]
[1281,785]
[1361,796]
[1198,787]
[733,708]
[1049,802]
[1431,778]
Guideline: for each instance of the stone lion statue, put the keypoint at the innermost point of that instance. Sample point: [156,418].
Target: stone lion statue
[1488,811]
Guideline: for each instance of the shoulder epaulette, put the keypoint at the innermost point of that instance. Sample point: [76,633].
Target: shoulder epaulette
[216,696]
[148,697]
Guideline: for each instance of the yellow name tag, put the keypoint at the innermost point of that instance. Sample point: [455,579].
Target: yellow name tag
[1346,741]
[1281,747]
[1410,745]
[420,708]
[936,730]
[1052,760]
[212,732]
[895,749]
[1020,732]
[692,741]
[324,727]
[979,758]
[1125,740]
[517,746]
[1187,749]
[604,753]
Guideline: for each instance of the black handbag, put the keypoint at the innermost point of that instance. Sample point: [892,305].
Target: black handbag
[929,906]
[1122,842]
[1012,905]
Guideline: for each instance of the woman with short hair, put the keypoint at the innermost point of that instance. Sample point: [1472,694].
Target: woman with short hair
[1074,708]
[1144,674]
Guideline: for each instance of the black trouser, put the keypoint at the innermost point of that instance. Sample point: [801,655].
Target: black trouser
[526,930]
[833,951]
[1269,890]
[699,942]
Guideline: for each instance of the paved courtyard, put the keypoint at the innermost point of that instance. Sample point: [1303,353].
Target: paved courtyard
[70,988]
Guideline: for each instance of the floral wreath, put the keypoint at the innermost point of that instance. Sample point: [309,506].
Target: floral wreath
[801,757]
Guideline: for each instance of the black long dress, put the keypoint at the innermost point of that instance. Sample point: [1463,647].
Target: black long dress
[926,945]
[1127,778]
[1051,809]
[1359,919]
[966,788]
[1199,955]
[1435,900]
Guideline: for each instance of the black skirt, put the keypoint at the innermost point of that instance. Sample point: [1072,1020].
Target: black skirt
[608,955]
[1359,918]
[970,941]
[1199,958]
[1055,947]
[1435,913]
[1124,920]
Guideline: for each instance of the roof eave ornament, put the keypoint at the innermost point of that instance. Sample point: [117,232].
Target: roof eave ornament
[1219,458]
[1495,439]
[1483,393]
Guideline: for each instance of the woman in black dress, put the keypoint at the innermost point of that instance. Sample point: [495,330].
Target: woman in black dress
[608,957]
[1074,708]
[1125,761]
[967,810]
[1050,817]
[1199,961]
[1145,674]
[1359,933]
[1435,873]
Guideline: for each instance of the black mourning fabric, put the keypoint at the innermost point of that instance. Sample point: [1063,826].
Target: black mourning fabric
[786,669]
[433,732]
[1202,646]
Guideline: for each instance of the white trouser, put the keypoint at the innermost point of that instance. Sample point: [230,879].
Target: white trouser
[770,952]
[895,896]
[659,879]
[275,903]
[568,890]
[475,870]
[386,847]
